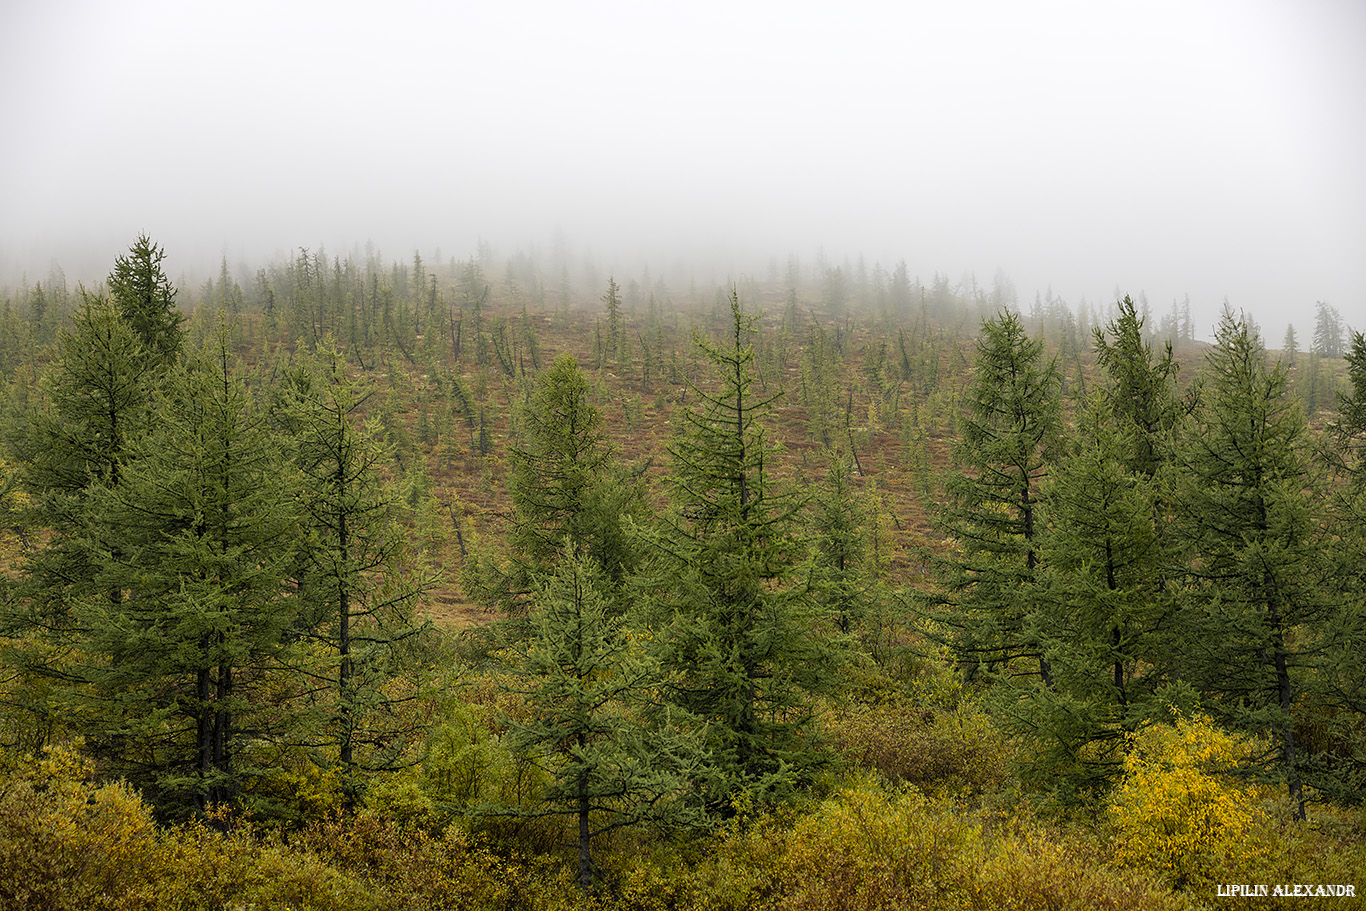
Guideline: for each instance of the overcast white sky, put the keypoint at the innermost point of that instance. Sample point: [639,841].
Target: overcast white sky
[1210,148]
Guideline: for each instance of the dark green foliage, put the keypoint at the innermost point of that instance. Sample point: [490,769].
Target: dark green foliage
[205,523]
[37,308]
[474,292]
[1248,517]
[736,628]
[838,524]
[145,298]
[1104,568]
[1140,391]
[1340,723]
[94,406]
[616,326]
[1350,428]
[97,391]
[15,335]
[565,486]
[1008,435]
[46,309]
[589,684]
[819,385]
[358,583]
[1103,615]
[265,653]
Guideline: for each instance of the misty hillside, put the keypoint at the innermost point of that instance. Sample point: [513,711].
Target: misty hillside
[335,581]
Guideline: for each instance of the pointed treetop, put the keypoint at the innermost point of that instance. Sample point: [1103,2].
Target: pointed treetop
[145,298]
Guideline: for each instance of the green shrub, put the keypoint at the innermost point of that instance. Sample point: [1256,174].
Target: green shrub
[1031,868]
[420,871]
[464,762]
[870,848]
[65,843]
[956,752]
[207,870]
[1328,847]
[874,847]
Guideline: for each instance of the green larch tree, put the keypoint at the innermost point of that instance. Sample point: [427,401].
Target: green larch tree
[739,632]
[838,523]
[95,397]
[1102,612]
[205,517]
[1104,565]
[1008,434]
[1349,430]
[1247,514]
[616,327]
[1139,389]
[358,582]
[565,485]
[92,407]
[1340,719]
[610,758]
[1290,347]
[819,385]
[1328,331]
[145,297]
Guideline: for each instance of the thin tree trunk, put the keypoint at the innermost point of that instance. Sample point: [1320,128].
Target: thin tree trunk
[204,733]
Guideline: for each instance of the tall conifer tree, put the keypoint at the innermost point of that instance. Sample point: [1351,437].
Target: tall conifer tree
[565,486]
[93,408]
[357,581]
[589,685]
[616,328]
[206,524]
[1102,615]
[1350,427]
[1104,565]
[1007,436]
[1247,511]
[145,298]
[1345,686]
[838,525]
[1140,389]
[738,631]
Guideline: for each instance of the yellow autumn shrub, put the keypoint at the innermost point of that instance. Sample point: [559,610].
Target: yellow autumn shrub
[1178,809]
[67,844]
[869,847]
[894,848]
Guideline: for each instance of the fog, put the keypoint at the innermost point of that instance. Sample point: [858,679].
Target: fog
[1209,149]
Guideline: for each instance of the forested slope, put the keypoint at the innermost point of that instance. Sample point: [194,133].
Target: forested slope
[371,579]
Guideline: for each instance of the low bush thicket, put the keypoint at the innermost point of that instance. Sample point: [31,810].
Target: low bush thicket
[67,843]
[873,847]
[940,752]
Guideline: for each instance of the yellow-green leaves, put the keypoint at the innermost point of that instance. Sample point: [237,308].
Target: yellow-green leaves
[1178,809]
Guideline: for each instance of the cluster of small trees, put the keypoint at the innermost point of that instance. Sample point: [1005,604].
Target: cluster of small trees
[215,563]
[668,661]
[220,581]
[1171,548]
